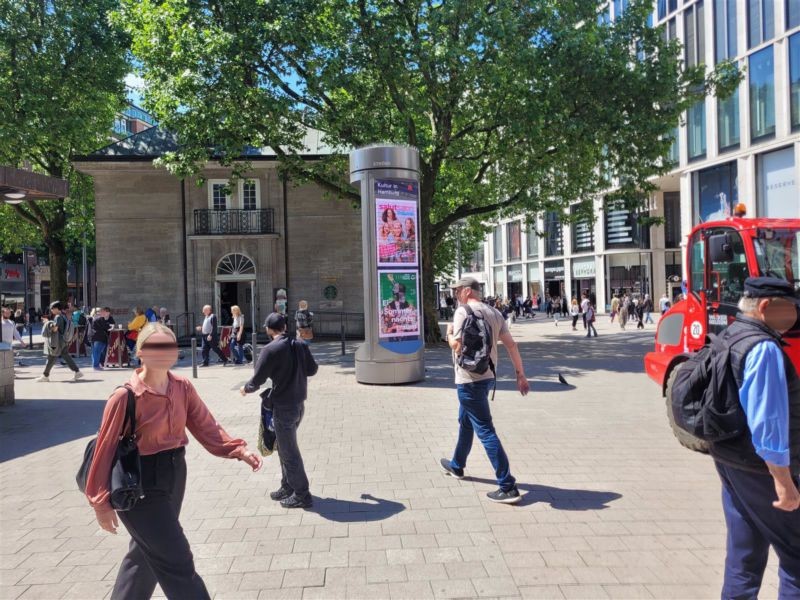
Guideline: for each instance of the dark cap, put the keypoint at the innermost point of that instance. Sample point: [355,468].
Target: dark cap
[770,287]
[56,304]
[276,322]
[467,282]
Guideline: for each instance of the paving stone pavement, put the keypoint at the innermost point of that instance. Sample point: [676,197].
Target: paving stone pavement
[613,507]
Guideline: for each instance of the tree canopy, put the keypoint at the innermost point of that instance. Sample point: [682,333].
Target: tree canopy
[513,104]
[62,65]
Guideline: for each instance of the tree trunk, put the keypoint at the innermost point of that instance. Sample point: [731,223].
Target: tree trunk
[430,312]
[58,269]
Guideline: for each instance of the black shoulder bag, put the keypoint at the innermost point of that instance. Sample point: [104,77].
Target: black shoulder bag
[125,478]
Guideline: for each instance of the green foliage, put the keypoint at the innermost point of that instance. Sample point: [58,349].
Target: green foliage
[62,65]
[513,104]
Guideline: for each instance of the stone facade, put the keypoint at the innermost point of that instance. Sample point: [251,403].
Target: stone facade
[140,243]
[6,377]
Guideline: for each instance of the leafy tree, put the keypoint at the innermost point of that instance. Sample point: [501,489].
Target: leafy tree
[62,64]
[513,104]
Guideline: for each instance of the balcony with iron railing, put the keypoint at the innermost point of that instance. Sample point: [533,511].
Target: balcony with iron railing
[234,222]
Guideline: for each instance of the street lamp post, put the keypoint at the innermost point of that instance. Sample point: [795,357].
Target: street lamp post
[25,251]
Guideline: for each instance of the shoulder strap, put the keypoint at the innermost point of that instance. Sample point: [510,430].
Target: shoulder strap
[130,411]
[469,310]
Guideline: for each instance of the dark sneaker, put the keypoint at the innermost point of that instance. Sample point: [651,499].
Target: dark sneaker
[280,494]
[294,501]
[512,496]
[448,469]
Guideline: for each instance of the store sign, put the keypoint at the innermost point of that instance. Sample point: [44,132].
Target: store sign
[554,270]
[583,268]
[515,274]
[778,189]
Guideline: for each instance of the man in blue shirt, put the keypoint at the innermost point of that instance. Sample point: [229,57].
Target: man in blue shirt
[760,469]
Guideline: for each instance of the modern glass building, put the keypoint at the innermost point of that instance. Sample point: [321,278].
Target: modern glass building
[745,148]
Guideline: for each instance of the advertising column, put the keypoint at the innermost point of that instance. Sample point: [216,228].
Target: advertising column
[393,348]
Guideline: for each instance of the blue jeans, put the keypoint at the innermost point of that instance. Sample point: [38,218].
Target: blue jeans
[98,353]
[237,351]
[753,526]
[474,417]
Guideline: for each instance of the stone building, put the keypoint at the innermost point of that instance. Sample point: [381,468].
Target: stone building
[162,241]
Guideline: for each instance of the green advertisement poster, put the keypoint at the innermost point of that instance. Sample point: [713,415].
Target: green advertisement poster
[398,304]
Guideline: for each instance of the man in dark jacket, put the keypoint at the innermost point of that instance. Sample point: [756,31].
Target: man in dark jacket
[288,363]
[760,469]
[101,325]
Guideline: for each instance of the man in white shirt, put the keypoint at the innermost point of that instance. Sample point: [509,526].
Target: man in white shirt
[584,307]
[475,417]
[9,330]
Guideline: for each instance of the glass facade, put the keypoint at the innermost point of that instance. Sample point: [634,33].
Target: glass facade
[762,94]
[760,21]
[794,79]
[694,43]
[728,122]
[553,235]
[792,13]
[665,7]
[623,229]
[474,263]
[696,130]
[533,242]
[715,193]
[777,188]
[497,253]
[582,230]
[672,219]
[619,8]
[724,30]
[514,240]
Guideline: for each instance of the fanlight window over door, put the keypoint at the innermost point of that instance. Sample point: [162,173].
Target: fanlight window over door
[236,266]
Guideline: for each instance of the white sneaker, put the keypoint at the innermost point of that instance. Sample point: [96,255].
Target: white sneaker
[78,375]
[43,379]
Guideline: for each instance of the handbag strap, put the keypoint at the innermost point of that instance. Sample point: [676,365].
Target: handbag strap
[130,412]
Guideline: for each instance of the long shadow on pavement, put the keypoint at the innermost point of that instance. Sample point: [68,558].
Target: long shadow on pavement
[346,511]
[32,425]
[558,498]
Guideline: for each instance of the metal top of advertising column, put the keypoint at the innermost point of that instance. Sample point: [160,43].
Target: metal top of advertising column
[393,349]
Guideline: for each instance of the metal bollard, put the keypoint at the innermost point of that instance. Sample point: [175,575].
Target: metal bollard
[255,347]
[194,357]
[344,340]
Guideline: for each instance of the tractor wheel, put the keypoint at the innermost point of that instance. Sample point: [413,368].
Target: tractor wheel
[686,439]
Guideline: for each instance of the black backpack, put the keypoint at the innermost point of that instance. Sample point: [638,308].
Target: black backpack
[705,394]
[476,345]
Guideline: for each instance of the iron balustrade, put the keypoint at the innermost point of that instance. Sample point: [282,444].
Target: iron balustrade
[243,222]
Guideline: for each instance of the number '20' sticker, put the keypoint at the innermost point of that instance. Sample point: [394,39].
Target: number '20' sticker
[696,330]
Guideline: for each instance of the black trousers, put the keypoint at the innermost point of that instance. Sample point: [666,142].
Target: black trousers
[209,346]
[293,473]
[159,551]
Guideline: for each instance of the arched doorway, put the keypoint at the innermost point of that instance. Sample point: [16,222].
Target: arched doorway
[236,285]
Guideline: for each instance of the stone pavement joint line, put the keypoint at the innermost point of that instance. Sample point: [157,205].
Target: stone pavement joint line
[613,507]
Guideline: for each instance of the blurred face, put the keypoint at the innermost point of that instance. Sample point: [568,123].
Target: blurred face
[397,228]
[778,313]
[159,352]
[6,313]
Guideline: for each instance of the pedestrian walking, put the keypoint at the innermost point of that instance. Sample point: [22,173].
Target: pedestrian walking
[760,469]
[9,331]
[590,319]
[575,313]
[614,307]
[474,415]
[101,325]
[210,335]
[584,307]
[556,310]
[289,363]
[663,304]
[58,334]
[19,321]
[624,308]
[648,309]
[163,316]
[303,320]
[237,331]
[166,406]
[639,310]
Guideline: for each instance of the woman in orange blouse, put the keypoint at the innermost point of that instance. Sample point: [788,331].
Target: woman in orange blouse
[166,405]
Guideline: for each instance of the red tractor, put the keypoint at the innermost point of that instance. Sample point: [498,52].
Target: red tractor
[720,255]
